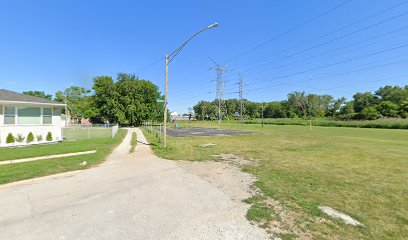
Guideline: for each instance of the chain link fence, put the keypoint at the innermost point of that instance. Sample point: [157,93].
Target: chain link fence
[89,131]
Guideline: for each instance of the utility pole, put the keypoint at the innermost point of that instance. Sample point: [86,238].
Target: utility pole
[202,112]
[165,102]
[169,58]
[262,114]
[241,97]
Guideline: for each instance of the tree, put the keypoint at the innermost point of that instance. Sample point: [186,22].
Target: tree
[105,98]
[59,96]
[335,106]
[369,113]
[298,103]
[40,94]
[128,101]
[388,109]
[364,100]
[274,110]
[79,102]
[252,109]
[232,105]
[394,94]
[137,101]
[346,111]
[404,108]
[205,110]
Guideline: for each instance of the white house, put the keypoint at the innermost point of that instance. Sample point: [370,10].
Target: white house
[21,114]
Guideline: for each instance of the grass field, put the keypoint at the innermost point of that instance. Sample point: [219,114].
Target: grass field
[361,172]
[20,171]
[389,123]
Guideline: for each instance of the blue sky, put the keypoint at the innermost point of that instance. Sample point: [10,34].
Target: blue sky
[359,45]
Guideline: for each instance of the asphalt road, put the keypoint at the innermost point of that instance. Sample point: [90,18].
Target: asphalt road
[136,196]
[197,131]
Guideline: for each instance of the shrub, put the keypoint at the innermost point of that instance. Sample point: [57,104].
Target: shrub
[369,113]
[49,136]
[39,138]
[20,138]
[10,138]
[30,137]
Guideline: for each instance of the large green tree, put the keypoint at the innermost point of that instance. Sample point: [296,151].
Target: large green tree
[40,94]
[128,101]
[79,102]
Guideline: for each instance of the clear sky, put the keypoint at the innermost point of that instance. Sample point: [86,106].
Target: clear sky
[332,47]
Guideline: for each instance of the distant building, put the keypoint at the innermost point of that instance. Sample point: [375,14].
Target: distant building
[174,116]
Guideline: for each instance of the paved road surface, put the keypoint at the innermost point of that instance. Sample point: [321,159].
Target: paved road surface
[135,196]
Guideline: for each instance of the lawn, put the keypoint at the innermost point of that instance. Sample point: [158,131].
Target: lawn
[20,171]
[361,172]
[390,123]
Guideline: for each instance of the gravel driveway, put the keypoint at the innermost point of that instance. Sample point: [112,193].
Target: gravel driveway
[136,196]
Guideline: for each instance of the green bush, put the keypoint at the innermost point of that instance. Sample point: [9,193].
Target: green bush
[39,138]
[10,138]
[49,136]
[369,113]
[30,137]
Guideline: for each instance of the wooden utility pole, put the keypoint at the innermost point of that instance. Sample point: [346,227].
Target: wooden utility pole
[262,114]
[202,112]
[165,102]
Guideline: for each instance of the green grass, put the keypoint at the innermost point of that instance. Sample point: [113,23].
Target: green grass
[86,133]
[390,123]
[133,143]
[361,172]
[20,171]
[54,148]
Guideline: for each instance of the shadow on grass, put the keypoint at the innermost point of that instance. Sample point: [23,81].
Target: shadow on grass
[145,143]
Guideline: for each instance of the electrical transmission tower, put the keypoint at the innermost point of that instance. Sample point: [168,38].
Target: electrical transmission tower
[220,90]
[241,97]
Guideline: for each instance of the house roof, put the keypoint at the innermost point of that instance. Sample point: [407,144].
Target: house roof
[10,96]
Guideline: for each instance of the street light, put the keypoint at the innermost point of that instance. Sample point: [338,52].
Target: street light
[169,58]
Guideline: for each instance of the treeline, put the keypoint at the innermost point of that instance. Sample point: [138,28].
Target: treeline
[126,101]
[388,101]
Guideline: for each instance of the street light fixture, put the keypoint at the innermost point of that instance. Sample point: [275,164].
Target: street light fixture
[169,58]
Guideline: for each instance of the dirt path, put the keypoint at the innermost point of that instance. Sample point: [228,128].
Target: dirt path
[136,196]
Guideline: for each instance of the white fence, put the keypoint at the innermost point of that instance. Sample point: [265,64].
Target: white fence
[89,131]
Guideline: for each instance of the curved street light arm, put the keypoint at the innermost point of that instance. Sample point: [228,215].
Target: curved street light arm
[175,52]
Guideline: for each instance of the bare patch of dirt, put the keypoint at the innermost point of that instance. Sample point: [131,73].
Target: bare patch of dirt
[232,158]
[225,174]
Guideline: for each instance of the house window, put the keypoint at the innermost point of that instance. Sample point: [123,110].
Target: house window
[47,116]
[28,115]
[9,115]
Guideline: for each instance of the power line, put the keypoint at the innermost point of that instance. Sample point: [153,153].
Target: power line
[290,30]
[149,65]
[333,64]
[331,32]
[332,75]
[330,41]
[336,49]
[390,19]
